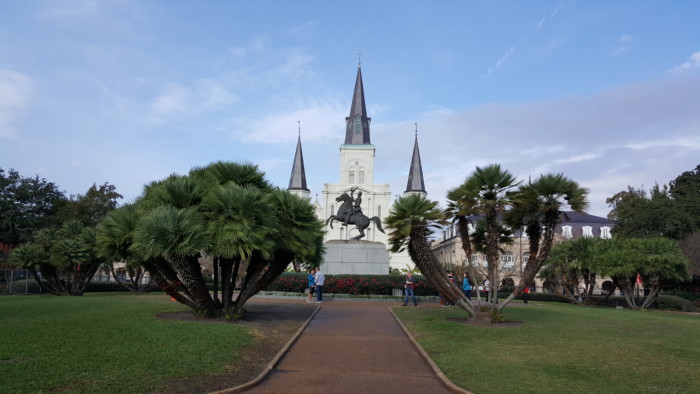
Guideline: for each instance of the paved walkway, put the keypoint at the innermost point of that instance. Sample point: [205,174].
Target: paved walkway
[352,347]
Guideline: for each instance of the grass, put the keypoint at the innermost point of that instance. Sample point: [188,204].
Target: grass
[562,348]
[106,343]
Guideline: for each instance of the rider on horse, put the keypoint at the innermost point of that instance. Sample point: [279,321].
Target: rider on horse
[355,206]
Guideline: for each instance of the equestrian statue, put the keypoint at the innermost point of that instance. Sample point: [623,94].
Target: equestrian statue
[351,213]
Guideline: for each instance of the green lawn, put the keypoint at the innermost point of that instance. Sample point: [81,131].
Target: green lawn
[106,343]
[561,348]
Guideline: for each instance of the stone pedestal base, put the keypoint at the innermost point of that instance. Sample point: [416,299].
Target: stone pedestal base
[355,258]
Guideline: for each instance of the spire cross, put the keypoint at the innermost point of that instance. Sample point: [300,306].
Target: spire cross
[299,122]
[359,57]
[416,129]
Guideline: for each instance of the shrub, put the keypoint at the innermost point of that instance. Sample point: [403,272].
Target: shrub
[675,303]
[688,295]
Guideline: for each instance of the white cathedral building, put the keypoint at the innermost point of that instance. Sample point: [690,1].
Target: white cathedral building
[357,172]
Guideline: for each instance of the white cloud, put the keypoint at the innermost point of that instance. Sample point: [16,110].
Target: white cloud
[692,63]
[15,93]
[635,134]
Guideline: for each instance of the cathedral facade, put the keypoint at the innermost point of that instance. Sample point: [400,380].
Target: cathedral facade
[356,179]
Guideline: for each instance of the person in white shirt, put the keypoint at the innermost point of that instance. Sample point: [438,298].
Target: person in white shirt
[319,278]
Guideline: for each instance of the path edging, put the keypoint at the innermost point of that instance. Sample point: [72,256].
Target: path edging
[438,372]
[273,363]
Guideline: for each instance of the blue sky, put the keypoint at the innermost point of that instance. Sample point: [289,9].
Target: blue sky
[127,92]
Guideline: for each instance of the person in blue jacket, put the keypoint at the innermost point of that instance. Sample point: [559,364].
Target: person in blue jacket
[312,286]
[466,287]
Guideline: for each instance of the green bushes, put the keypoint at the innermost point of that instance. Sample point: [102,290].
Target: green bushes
[352,284]
[675,303]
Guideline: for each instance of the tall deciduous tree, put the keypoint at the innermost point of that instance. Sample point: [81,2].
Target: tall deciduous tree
[639,214]
[90,208]
[685,189]
[26,205]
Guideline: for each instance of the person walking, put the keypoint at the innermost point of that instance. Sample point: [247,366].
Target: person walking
[526,291]
[319,278]
[408,287]
[312,286]
[466,287]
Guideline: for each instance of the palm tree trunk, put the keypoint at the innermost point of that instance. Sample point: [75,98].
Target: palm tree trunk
[463,229]
[538,255]
[190,271]
[422,256]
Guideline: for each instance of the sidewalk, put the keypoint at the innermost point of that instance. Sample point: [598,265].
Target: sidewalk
[352,347]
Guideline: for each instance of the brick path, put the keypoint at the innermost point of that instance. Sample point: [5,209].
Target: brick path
[352,347]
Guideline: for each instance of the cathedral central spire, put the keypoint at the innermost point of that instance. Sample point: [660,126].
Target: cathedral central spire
[357,124]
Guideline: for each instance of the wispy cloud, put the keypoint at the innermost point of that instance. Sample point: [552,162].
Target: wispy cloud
[320,122]
[15,93]
[692,63]
[257,45]
[583,137]
[176,100]
[623,44]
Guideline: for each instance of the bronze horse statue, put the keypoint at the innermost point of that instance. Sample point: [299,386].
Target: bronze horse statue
[360,221]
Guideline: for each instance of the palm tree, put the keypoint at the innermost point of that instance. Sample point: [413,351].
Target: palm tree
[483,194]
[537,206]
[65,257]
[114,239]
[226,211]
[411,220]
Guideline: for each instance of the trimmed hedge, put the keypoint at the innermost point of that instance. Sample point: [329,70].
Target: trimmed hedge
[675,303]
[351,284]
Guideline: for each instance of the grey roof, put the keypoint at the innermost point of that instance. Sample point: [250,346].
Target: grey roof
[358,115]
[415,174]
[297,180]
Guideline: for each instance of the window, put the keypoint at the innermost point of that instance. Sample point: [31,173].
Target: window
[361,176]
[508,260]
[351,176]
[379,211]
[605,232]
[358,124]
[566,232]
[587,231]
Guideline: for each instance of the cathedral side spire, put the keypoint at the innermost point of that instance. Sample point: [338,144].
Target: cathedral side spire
[357,124]
[297,180]
[415,184]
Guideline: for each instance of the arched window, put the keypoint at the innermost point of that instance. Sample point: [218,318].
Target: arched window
[351,176]
[566,232]
[605,232]
[587,231]
[361,177]
[508,260]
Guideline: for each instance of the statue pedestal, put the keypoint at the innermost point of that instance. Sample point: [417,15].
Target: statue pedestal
[355,258]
